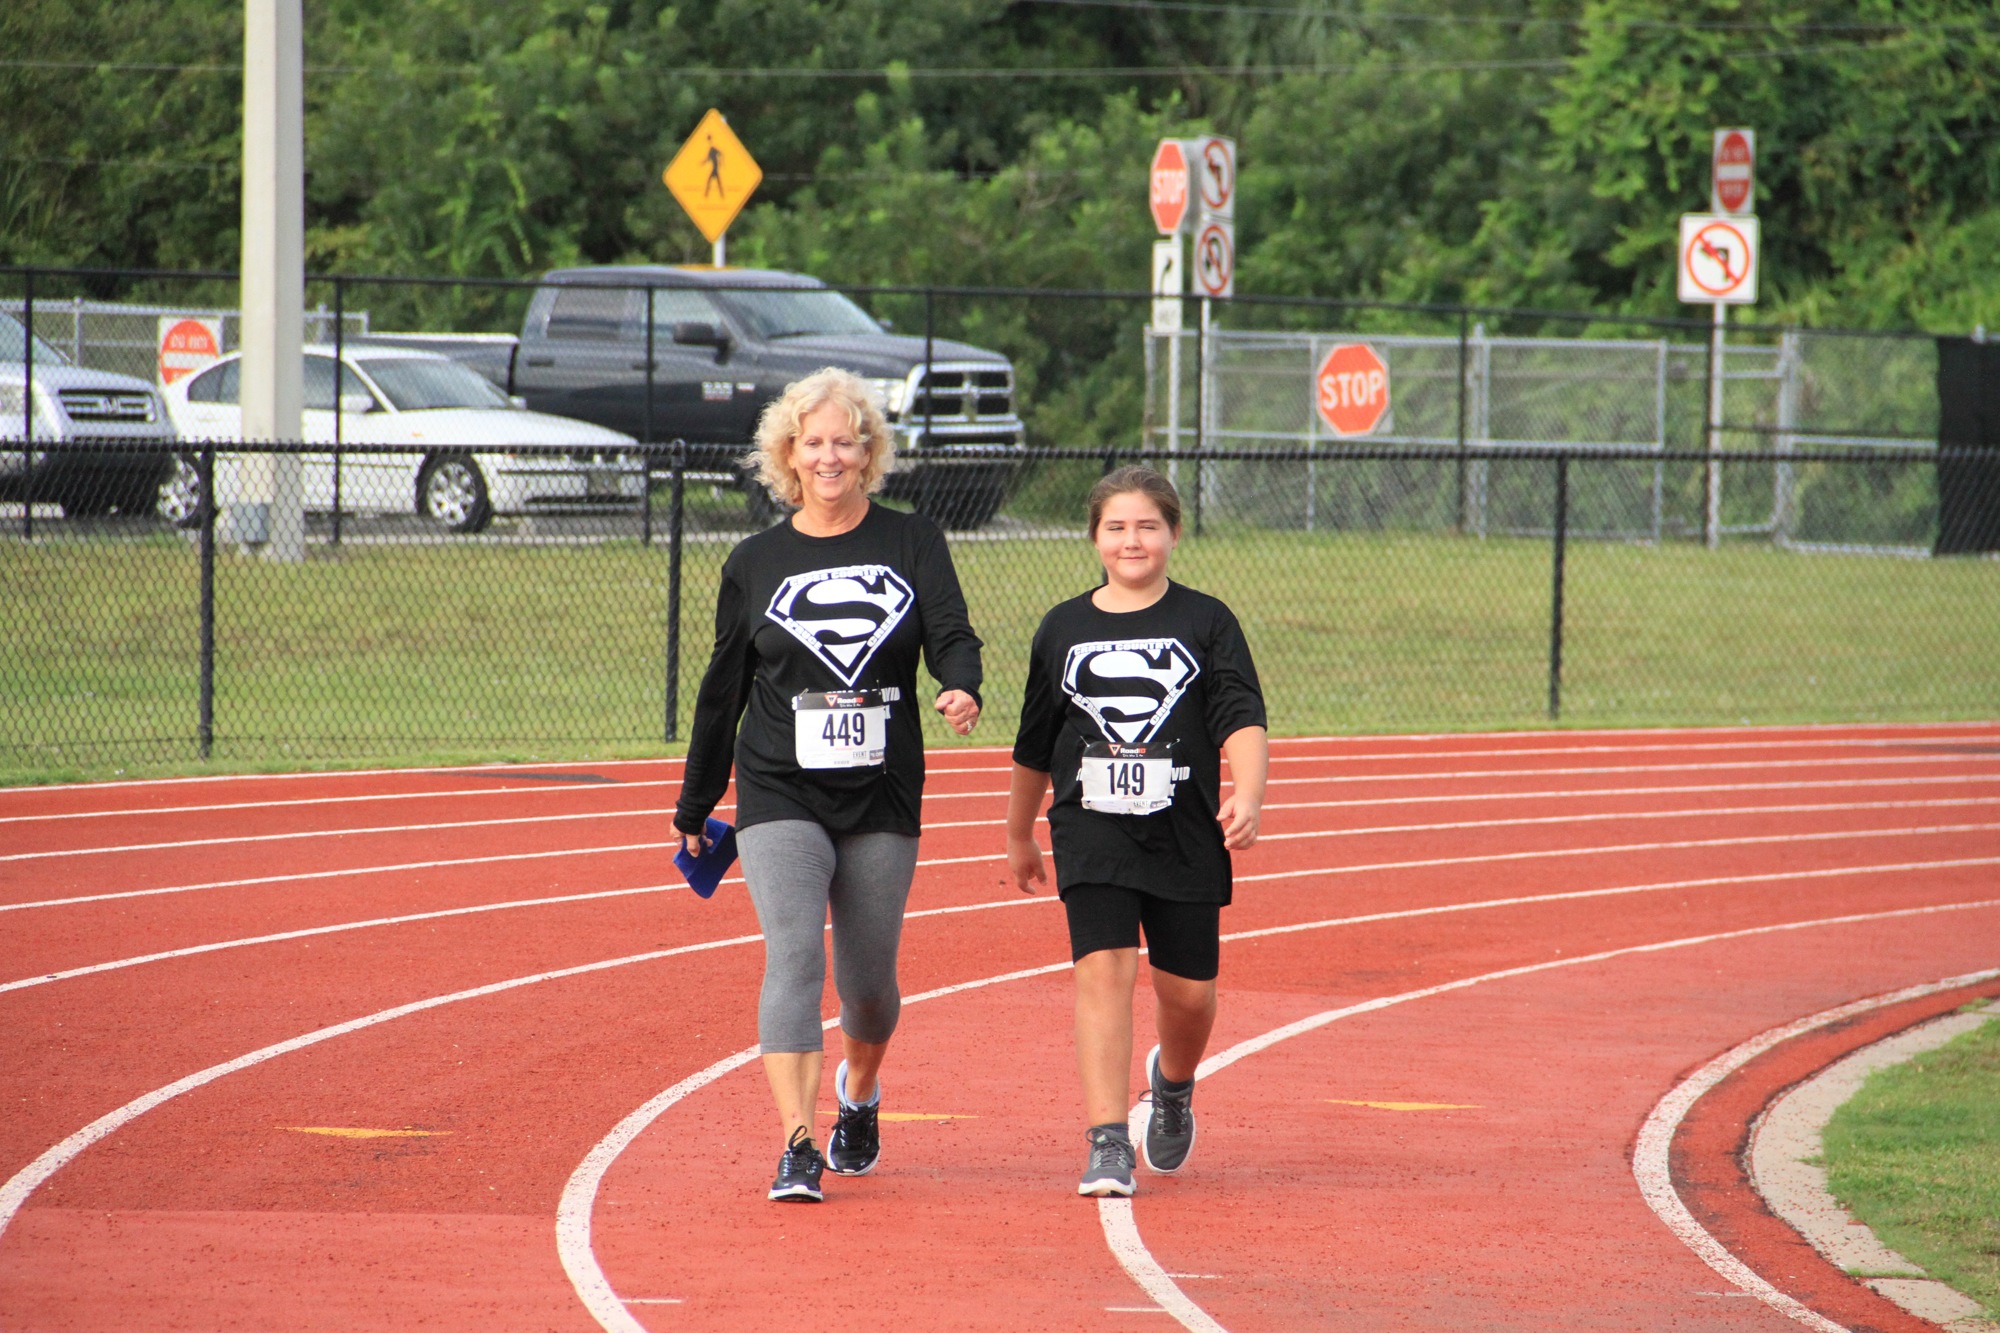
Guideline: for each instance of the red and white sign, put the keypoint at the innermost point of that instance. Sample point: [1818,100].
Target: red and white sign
[1214,165]
[1351,390]
[188,345]
[1732,172]
[1215,258]
[1167,191]
[1718,260]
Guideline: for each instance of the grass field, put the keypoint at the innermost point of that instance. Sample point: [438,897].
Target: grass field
[455,651]
[1916,1155]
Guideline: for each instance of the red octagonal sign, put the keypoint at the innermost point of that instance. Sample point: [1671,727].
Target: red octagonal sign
[1167,190]
[1351,390]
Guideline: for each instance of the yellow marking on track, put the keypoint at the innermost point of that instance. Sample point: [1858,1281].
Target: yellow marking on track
[1406,1106]
[906,1115]
[338,1132]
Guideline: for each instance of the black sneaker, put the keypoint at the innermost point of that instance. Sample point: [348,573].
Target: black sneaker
[856,1142]
[1110,1169]
[1170,1131]
[798,1170]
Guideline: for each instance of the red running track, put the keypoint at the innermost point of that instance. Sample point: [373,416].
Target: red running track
[1461,974]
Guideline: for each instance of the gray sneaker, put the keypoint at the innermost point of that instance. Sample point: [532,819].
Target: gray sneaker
[1110,1169]
[1170,1130]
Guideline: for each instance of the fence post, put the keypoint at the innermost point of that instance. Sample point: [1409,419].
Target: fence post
[1200,415]
[677,458]
[1556,587]
[205,723]
[930,335]
[1464,350]
[646,483]
[339,392]
[28,408]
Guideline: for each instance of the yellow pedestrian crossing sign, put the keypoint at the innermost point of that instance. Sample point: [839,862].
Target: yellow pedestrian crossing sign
[713,175]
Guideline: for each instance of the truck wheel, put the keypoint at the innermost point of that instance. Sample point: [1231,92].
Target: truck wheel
[452,490]
[961,498]
[180,498]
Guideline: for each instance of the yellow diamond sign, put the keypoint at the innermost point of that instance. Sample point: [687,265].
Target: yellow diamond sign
[713,175]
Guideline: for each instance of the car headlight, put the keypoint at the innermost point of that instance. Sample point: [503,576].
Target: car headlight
[892,392]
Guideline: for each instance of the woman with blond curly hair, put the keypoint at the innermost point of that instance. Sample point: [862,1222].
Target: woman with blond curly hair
[818,626]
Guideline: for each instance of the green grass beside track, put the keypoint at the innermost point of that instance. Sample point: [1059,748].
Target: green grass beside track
[394,654]
[1916,1155]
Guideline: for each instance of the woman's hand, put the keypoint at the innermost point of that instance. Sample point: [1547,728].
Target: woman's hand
[1240,819]
[1024,863]
[694,844]
[960,709]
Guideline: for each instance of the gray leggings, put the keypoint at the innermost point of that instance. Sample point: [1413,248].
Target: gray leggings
[796,870]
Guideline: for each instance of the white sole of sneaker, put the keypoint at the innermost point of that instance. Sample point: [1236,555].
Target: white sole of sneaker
[796,1196]
[1103,1189]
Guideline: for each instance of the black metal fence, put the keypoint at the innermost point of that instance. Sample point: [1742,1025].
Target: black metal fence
[577,627]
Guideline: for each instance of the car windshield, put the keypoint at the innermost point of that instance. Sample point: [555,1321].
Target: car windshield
[14,344]
[417,384]
[794,313]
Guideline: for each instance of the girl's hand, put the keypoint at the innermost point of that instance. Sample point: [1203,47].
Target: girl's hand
[960,709]
[1240,818]
[694,844]
[1024,863]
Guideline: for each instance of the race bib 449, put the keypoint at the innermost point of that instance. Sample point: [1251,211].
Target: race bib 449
[842,728]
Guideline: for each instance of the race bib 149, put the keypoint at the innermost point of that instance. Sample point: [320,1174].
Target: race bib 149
[1121,779]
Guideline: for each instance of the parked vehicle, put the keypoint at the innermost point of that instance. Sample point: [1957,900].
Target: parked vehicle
[725,342]
[102,442]
[465,466]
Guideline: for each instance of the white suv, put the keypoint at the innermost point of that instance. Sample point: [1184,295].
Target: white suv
[101,441]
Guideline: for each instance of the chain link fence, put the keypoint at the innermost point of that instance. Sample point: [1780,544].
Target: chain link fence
[1536,528]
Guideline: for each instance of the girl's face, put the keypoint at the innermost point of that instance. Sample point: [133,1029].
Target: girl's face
[1134,540]
[826,457]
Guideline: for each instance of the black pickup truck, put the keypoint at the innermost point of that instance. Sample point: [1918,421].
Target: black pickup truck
[725,342]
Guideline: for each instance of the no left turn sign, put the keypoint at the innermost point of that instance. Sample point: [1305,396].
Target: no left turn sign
[1215,258]
[1718,259]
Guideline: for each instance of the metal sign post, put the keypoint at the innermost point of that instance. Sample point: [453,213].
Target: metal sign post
[1717,259]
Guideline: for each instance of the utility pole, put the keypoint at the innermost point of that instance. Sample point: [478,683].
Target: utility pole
[272,331]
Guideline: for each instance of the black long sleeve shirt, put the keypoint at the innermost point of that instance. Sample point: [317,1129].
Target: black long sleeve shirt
[799,615]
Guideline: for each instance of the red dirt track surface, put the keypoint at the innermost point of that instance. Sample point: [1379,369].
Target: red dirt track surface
[199,978]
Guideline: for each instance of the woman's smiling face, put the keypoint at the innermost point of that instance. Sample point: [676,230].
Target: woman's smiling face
[1134,540]
[826,456]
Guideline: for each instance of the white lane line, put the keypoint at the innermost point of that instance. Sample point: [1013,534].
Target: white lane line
[1255,1045]
[1525,900]
[1849,731]
[994,823]
[31,1177]
[1435,910]
[1581,793]
[1814,743]
[1121,1233]
[1619,816]
[1552,853]
[608,788]
[24,1182]
[1762,765]
[1650,1154]
[192,950]
[579,1196]
[449,793]
[304,835]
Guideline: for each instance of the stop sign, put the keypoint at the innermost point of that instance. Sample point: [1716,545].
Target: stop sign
[1168,189]
[188,345]
[1351,390]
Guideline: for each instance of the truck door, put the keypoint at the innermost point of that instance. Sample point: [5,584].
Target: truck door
[581,364]
[713,391]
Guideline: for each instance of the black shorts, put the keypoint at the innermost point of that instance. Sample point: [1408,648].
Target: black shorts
[1182,938]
